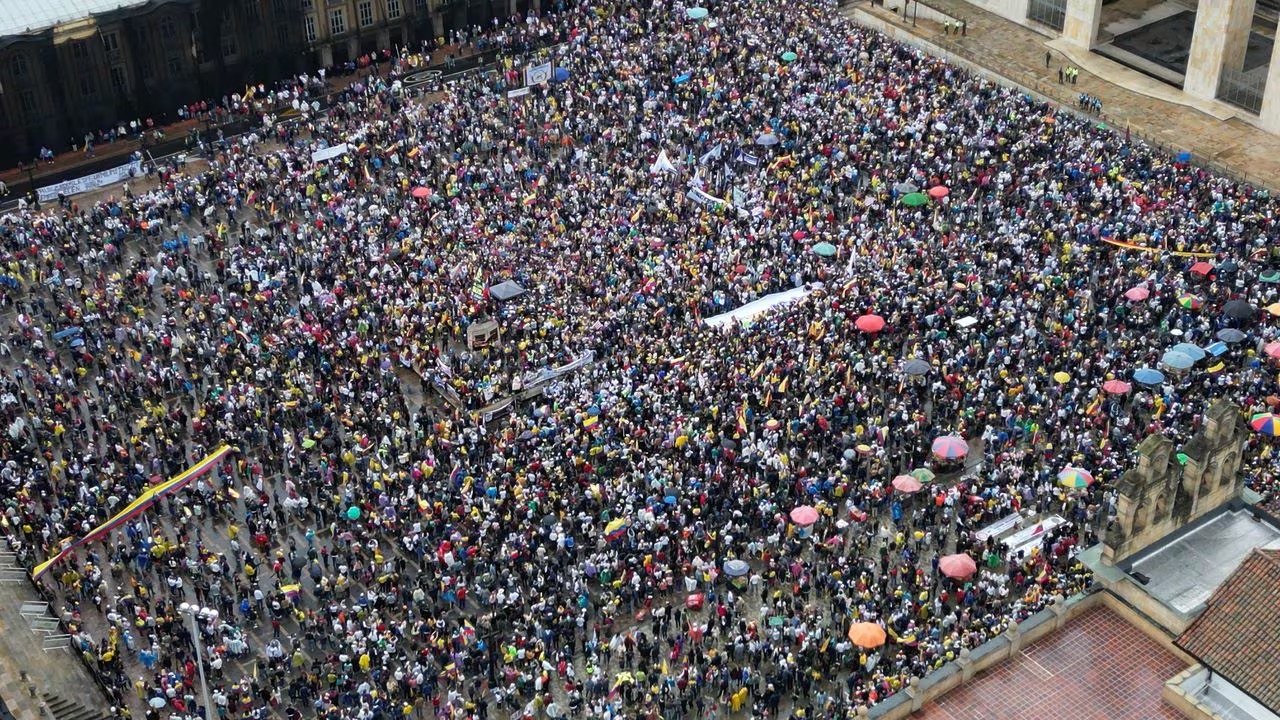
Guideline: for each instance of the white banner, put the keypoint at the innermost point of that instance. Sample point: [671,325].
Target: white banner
[90,182]
[702,198]
[517,93]
[537,74]
[329,153]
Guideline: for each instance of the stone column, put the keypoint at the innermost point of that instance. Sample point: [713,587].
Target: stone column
[966,665]
[1080,27]
[1220,39]
[1270,115]
[1014,633]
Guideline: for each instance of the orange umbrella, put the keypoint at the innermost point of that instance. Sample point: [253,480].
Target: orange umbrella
[866,635]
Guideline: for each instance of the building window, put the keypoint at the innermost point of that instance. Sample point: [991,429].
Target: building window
[175,67]
[19,66]
[282,34]
[111,42]
[117,78]
[144,67]
[309,27]
[366,13]
[393,9]
[421,7]
[79,50]
[166,28]
[251,9]
[27,99]
[86,86]
[229,48]
[308,4]
[337,21]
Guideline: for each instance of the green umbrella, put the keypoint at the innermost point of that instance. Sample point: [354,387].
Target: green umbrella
[1102,126]
[924,475]
[1270,276]
[824,249]
[789,56]
[1182,458]
[915,199]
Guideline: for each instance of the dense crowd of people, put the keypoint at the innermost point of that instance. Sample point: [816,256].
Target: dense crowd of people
[376,551]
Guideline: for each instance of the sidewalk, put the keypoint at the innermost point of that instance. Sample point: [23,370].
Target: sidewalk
[1232,146]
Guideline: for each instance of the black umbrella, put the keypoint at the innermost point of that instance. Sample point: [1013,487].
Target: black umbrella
[916,367]
[1228,267]
[1231,335]
[1239,310]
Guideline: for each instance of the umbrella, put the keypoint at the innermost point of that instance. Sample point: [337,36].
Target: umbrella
[950,447]
[924,475]
[937,192]
[958,566]
[1177,360]
[560,75]
[1239,310]
[1270,276]
[915,199]
[869,323]
[1192,351]
[1116,387]
[824,249]
[906,484]
[916,367]
[1229,266]
[1215,349]
[1137,294]
[788,56]
[767,139]
[1061,377]
[1266,424]
[1148,376]
[1074,477]
[696,13]
[1189,301]
[1201,268]
[1274,309]
[804,515]
[866,635]
[736,568]
[905,188]
[1231,335]
[1272,349]
[421,192]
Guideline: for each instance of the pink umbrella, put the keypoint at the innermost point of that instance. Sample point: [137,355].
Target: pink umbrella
[804,515]
[958,567]
[1272,350]
[950,447]
[1116,387]
[906,484]
[937,192]
[869,323]
[421,192]
[1137,294]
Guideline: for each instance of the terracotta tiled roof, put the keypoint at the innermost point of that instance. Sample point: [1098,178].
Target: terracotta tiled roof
[1238,634]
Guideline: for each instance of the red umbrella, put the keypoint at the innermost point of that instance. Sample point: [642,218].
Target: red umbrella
[1202,268]
[1116,387]
[869,323]
[1137,294]
[421,192]
[957,567]
[906,484]
[937,192]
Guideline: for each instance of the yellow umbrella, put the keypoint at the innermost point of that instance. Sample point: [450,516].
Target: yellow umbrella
[1061,377]
[1274,309]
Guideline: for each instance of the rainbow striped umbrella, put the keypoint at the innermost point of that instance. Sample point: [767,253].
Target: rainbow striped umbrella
[1074,477]
[1266,424]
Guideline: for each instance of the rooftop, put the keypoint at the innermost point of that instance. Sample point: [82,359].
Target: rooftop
[1098,666]
[1238,634]
[18,17]
[1185,571]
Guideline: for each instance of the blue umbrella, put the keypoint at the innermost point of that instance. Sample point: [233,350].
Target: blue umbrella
[560,75]
[1148,376]
[1216,349]
[696,13]
[1191,351]
[1178,360]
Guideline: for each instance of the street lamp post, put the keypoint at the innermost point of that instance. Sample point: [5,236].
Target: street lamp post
[31,183]
[195,613]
